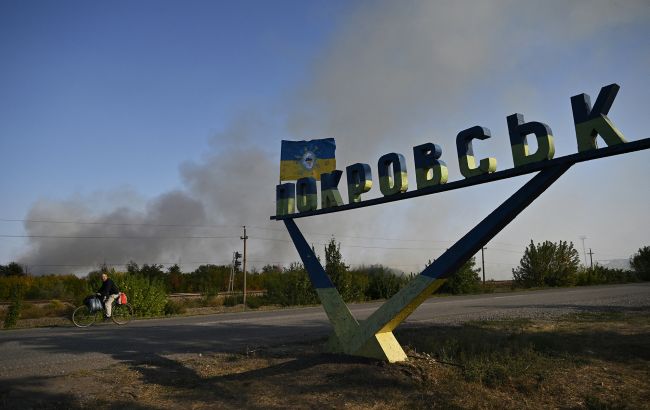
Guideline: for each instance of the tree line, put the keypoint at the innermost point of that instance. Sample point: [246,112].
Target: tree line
[147,286]
[558,264]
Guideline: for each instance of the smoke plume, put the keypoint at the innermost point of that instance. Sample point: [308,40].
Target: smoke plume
[394,75]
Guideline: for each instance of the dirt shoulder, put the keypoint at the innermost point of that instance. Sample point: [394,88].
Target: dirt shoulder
[596,360]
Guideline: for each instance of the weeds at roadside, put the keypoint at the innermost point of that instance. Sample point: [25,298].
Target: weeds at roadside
[592,360]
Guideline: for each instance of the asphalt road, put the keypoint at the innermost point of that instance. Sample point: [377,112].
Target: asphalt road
[54,351]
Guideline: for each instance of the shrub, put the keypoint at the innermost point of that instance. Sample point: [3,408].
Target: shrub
[173,307]
[290,287]
[210,300]
[254,302]
[640,262]
[338,271]
[465,280]
[382,282]
[547,264]
[11,319]
[146,295]
[601,275]
[230,301]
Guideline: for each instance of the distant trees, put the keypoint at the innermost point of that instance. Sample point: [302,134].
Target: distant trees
[13,269]
[599,275]
[174,279]
[640,262]
[547,264]
[13,313]
[290,286]
[465,280]
[382,282]
[337,270]
[147,286]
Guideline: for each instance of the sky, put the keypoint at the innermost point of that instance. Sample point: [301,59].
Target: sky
[150,131]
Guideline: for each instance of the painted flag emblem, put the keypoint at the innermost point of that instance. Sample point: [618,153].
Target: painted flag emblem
[301,159]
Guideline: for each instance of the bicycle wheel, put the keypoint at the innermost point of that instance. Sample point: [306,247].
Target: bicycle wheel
[122,314]
[83,317]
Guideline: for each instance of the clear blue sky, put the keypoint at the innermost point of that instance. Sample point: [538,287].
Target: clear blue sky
[171,112]
[97,95]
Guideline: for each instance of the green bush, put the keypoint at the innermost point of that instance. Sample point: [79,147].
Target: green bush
[383,283]
[465,280]
[254,302]
[146,294]
[211,300]
[230,301]
[173,307]
[547,264]
[601,275]
[640,262]
[11,319]
[290,287]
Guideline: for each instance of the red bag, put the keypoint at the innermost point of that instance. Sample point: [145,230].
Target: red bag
[122,298]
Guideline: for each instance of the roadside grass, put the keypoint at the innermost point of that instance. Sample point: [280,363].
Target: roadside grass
[577,361]
[57,313]
[586,360]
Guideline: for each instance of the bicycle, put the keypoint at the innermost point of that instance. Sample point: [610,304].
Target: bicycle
[86,314]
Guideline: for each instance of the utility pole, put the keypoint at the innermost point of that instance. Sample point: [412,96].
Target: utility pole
[483,263]
[232,274]
[584,252]
[244,238]
[591,258]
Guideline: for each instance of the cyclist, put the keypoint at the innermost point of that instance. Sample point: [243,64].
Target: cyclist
[108,292]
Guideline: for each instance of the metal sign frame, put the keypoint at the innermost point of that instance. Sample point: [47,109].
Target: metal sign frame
[373,337]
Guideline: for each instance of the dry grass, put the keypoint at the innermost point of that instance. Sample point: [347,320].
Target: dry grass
[594,361]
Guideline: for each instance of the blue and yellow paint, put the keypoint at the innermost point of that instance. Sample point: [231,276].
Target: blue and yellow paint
[373,337]
[519,131]
[285,195]
[396,183]
[301,159]
[590,122]
[466,160]
[359,181]
[329,189]
[306,196]
[429,169]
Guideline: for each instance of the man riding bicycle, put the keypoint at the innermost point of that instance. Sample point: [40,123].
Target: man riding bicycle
[108,292]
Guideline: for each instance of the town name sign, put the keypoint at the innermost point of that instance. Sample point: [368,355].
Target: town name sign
[430,171]
[373,336]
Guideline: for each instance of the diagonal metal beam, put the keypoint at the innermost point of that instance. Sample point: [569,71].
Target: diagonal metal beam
[403,303]
[373,337]
[345,325]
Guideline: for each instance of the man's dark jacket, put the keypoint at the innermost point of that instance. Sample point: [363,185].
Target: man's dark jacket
[108,288]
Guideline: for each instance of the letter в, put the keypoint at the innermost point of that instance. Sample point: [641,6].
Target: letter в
[429,169]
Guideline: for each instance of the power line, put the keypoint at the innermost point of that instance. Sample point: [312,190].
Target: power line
[203,237]
[115,237]
[504,250]
[123,264]
[349,246]
[114,223]
[212,226]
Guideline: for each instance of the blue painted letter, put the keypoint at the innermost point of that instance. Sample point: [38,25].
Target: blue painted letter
[429,170]
[359,181]
[465,150]
[398,182]
[591,122]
